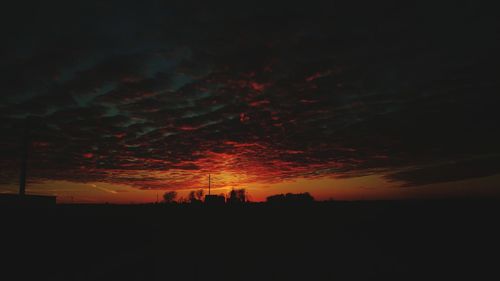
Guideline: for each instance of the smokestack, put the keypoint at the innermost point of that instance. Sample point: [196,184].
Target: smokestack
[208,184]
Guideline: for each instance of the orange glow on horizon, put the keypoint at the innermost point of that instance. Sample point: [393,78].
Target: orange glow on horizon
[360,188]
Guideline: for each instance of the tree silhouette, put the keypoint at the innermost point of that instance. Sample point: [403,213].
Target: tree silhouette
[196,196]
[199,194]
[237,196]
[169,197]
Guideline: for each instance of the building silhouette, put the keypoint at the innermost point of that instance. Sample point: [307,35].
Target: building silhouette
[290,198]
[213,199]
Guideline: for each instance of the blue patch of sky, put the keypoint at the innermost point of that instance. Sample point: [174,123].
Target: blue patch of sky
[145,131]
[112,111]
[84,100]
[190,114]
[180,80]
[134,121]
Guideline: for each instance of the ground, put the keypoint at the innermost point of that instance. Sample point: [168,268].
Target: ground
[411,240]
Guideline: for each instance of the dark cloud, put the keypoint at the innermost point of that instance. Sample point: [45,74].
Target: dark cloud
[159,94]
[452,171]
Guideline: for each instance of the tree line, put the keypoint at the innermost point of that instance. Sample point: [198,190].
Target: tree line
[235,196]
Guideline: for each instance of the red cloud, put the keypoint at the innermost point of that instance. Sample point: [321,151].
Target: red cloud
[88,155]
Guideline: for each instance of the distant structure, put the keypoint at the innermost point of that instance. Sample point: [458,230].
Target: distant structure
[22,199]
[290,198]
[213,199]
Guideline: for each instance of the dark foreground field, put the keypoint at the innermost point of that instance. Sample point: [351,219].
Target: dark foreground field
[334,241]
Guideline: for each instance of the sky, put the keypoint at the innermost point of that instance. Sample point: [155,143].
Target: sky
[120,101]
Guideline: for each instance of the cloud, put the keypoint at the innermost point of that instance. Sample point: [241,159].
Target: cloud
[268,92]
[453,171]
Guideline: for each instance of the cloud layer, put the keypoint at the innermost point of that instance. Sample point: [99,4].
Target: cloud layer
[158,95]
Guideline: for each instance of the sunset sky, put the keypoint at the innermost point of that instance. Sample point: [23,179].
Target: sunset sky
[125,100]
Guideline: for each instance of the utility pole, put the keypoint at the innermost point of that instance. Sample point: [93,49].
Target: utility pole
[208,184]
[24,159]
